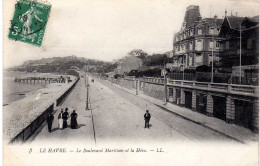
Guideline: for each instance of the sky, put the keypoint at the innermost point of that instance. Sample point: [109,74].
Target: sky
[109,29]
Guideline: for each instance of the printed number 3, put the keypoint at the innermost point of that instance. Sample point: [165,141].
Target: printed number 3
[16,29]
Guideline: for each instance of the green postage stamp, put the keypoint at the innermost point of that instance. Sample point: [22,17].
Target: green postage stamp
[29,22]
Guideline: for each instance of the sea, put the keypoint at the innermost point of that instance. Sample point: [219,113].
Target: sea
[13,91]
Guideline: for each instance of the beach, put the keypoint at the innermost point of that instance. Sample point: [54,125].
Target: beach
[13,91]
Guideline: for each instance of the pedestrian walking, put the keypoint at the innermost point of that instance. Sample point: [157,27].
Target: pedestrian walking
[73,120]
[65,117]
[147,117]
[49,119]
[60,120]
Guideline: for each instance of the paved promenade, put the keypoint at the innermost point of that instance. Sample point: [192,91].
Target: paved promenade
[118,116]
[76,100]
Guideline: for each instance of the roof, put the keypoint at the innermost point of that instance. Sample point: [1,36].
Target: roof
[212,21]
[234,21]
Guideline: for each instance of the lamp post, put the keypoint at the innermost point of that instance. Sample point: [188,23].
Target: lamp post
[212,62]
[87,86]
[240,58]
[165,83]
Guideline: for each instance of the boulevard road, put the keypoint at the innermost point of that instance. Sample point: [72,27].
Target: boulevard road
[116,115]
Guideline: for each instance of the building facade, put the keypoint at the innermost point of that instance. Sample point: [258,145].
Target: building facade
[127,64]
[230,41]
[196,41]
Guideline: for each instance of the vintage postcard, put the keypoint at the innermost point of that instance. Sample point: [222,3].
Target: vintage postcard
[132,82]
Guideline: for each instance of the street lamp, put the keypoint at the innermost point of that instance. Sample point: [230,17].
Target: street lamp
[87,85]
[212,54]
[165,83]
[240,55]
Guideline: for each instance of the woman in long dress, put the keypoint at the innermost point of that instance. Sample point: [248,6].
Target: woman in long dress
[60,120]
[65,116]
[73,120]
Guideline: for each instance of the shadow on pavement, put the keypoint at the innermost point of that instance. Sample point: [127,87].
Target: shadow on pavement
[54,129]
[68,127]
[79,126]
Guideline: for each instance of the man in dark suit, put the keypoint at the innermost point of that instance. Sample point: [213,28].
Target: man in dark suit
[147,117]
[50,118]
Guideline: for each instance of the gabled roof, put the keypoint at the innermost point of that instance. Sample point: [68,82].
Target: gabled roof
[234,22]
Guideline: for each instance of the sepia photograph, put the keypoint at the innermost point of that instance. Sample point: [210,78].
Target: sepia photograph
[134,82]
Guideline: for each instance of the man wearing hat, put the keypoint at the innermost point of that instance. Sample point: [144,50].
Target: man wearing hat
[49,121]
[147,117]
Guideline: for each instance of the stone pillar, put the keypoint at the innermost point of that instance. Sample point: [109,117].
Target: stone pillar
[174,94]
[209,105]
[137,86]
[182,97]
[194,99]
[256,116]
[230,110]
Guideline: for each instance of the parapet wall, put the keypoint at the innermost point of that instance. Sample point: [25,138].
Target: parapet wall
[154,90]
[22,132]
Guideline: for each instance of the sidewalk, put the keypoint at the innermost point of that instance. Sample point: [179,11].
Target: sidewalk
[83,134]
[230,130]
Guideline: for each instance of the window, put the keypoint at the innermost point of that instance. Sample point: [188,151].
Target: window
[199,45]
[191,32]
[199,31]
[217,45]
[249,43]
[211,43]
[199,58]
[227,45]
[191,45]
[211,30]
[190,61]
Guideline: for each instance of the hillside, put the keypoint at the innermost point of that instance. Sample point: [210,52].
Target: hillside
[61,65]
